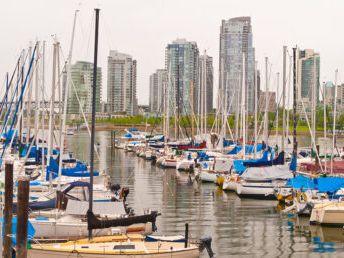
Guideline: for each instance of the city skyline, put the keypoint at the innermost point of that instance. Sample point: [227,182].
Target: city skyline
[287,25]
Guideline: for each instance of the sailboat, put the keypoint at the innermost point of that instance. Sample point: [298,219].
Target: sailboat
[118,245]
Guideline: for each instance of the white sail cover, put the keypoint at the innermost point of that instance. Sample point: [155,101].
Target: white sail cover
[75,207]
[267,173]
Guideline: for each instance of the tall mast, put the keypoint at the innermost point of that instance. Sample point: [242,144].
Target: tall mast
[178,103]
[294,105]
[325,127]
[63,127]
[43,105]
[255,107]
[266,119]
[314,101]
[277,102]
[36,97]
[94,88]
[51,112]
[334,120]
[243,100]
[283,95]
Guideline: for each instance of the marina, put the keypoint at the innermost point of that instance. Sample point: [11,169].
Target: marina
[257,173]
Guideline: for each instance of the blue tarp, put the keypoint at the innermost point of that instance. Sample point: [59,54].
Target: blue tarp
[248,149]
[322,184]
[133,129]
[241,165]
[30,232]
[227,142]
[80,170]
[9,134]
[301,182]
[329,184]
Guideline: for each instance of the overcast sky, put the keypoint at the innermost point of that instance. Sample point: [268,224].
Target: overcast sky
[143,28]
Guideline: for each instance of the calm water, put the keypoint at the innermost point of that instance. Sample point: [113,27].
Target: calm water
[239,228]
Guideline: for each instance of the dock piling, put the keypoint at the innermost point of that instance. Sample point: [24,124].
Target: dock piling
[22,216]
[8,211]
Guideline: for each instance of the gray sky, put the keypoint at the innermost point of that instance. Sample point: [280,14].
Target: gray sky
[143,28]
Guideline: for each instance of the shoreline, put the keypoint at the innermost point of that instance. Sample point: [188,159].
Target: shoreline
[157,129]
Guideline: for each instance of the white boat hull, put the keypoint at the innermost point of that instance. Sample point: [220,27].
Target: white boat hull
[256,190]
[207,176]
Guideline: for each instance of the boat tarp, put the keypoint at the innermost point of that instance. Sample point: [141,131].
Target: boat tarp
[240,167]
[278,161]
[80,170]
[248,149]
[30,230]
[329,184]
[267,173]
[301,182]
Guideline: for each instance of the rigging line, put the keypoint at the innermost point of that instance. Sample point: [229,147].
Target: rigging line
[89,37]
[108,34]
[81,108]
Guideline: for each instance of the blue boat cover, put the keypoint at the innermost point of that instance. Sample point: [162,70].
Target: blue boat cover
[329,184]
[30,230]
[80,170]
[248,149]
[301,182]
[241,165]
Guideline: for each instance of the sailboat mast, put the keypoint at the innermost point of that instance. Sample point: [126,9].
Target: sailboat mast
[266,119]
[325,128]
[255,107]
[314,101]
[334,120]
[36,97]
[63,126]
[243,100]
[283,95]
[277,106]
[51,112]
[94,87]
[294,104]
[178,103]
[43,106]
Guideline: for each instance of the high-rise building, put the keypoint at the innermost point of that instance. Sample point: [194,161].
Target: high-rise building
[181,62]
[236,42]
[206,83]
[121,88]
[80,90]
[308,84]
[157,85]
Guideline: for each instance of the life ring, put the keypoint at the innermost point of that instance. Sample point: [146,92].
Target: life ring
[301,197]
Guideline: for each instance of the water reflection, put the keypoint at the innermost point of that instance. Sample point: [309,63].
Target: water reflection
[240,228]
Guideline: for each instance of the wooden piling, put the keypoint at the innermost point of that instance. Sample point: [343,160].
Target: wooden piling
[8,211]
[22,216]
[186,235]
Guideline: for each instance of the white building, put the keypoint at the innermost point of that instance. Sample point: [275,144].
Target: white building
[121,87]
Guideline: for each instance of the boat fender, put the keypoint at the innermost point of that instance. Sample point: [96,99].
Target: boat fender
[301,197]
[205,243]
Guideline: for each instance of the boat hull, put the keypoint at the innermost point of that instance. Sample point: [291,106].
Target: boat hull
[55,254]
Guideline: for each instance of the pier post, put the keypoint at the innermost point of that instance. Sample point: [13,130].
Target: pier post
[186,235]
[8,212]
[22,216]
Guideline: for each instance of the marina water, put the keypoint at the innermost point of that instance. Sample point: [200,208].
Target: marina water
[239,227]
